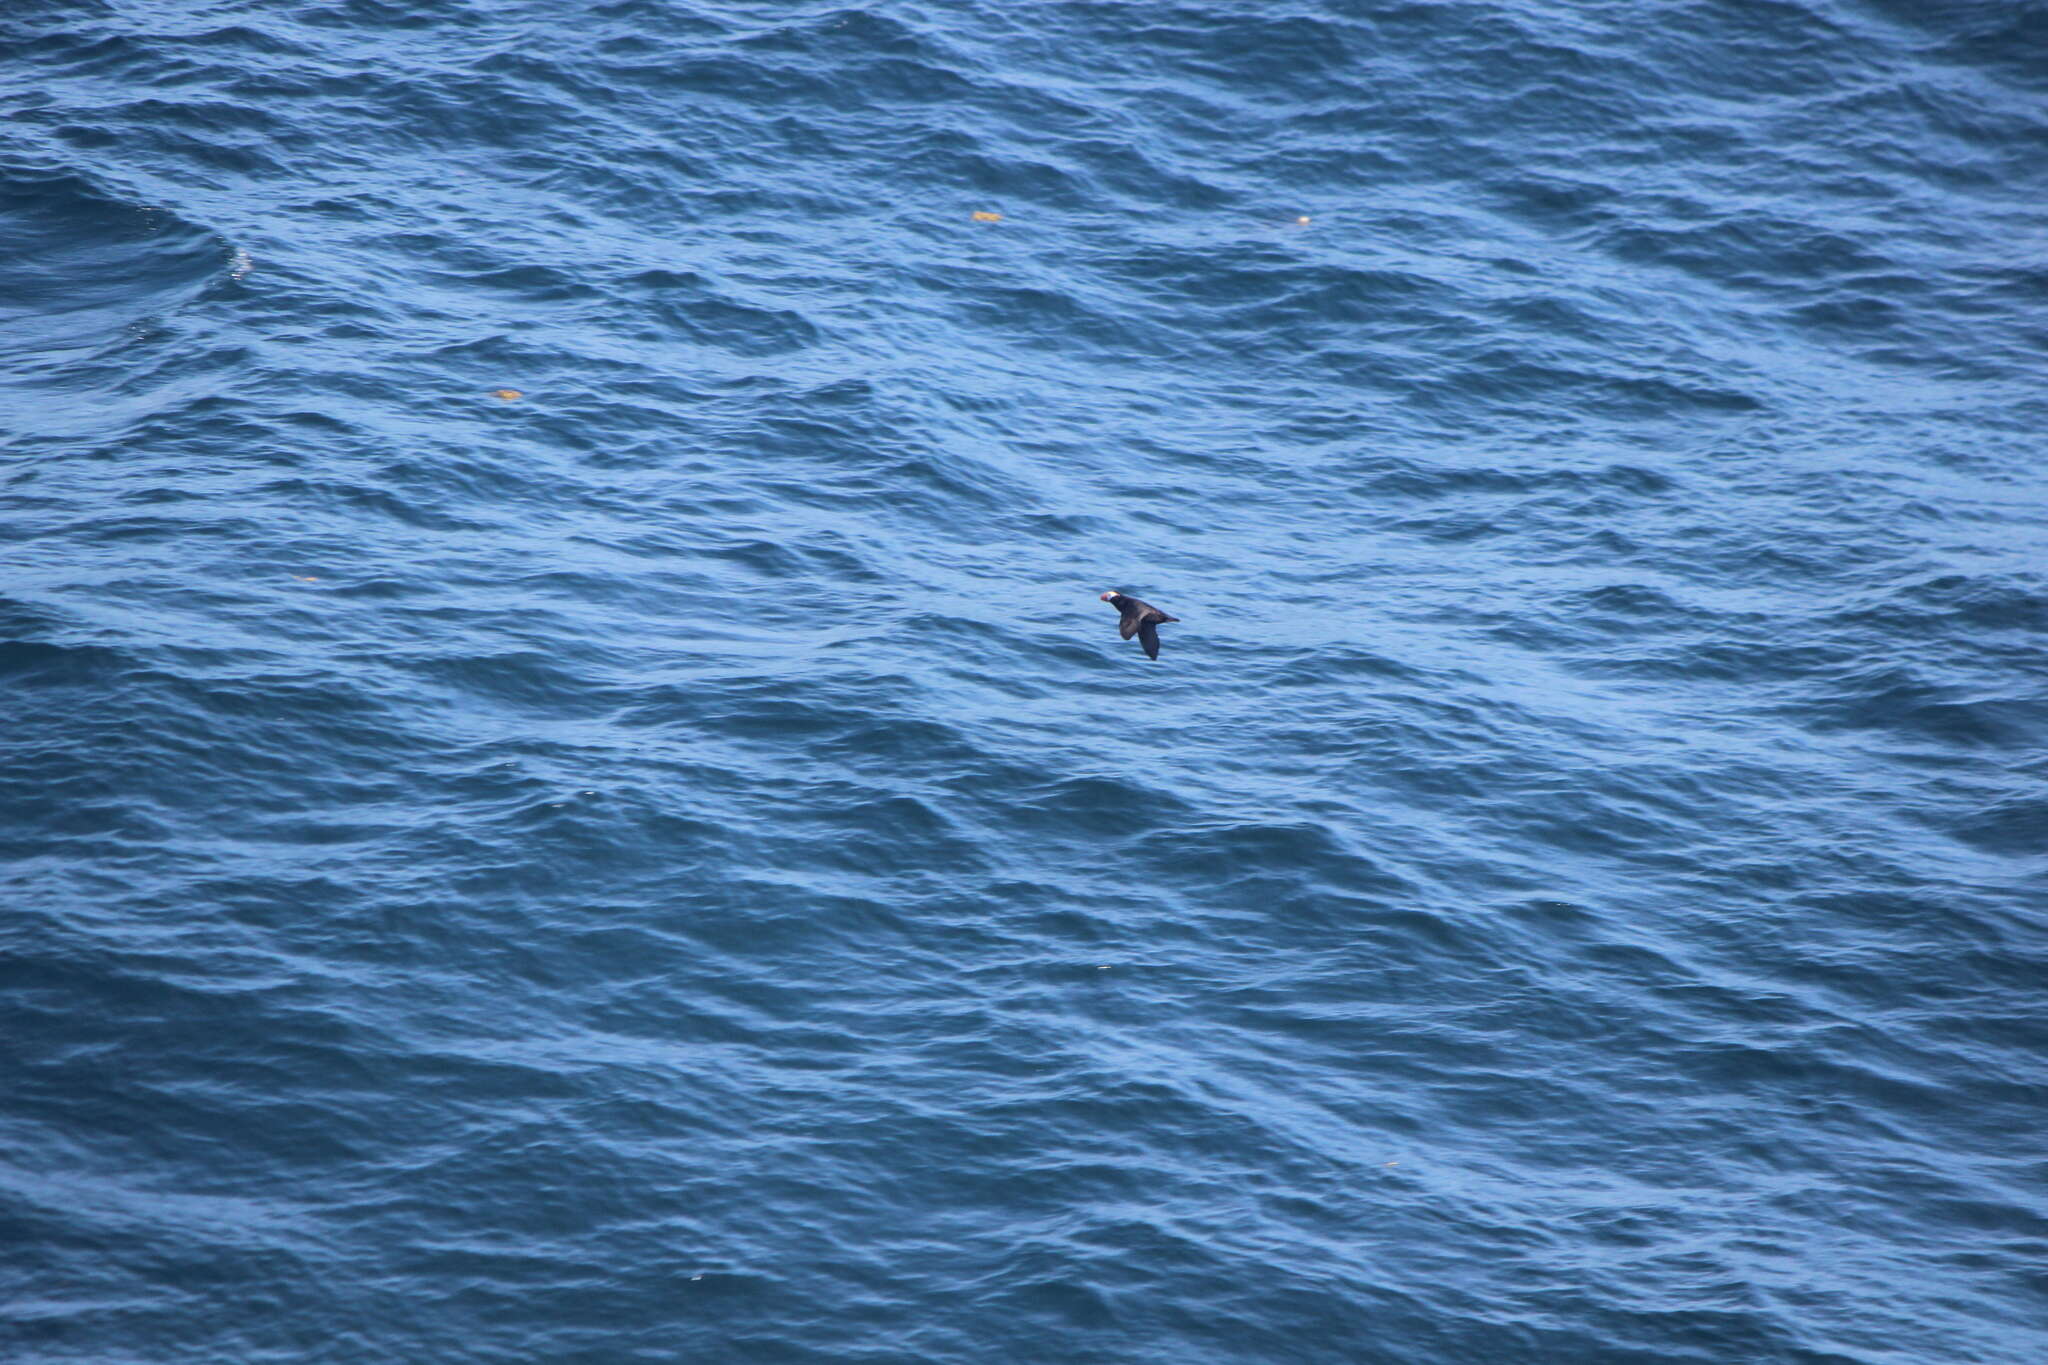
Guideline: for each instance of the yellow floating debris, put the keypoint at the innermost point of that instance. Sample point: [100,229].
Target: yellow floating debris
[984,216]
[507,395]
[307,578]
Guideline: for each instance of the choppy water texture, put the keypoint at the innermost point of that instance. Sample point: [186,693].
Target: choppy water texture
[677,865]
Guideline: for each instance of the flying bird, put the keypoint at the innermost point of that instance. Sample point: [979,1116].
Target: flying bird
[1141,619]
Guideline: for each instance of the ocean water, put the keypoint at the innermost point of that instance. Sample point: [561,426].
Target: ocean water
[673,863]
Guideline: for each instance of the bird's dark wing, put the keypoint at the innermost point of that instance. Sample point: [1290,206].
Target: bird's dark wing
[1148,636]
[1128,627]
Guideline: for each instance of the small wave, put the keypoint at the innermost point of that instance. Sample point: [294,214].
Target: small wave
[79,265]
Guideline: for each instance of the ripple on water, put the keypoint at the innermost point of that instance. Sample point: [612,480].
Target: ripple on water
[79,266]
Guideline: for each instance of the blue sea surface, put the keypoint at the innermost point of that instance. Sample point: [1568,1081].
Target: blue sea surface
[566,794]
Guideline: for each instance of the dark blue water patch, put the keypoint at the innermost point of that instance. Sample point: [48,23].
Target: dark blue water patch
[29,662]
[1976,35]
[690,305]
[82,265]
[1902,699]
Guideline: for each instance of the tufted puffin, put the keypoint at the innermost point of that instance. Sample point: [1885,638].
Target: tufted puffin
[1141,619]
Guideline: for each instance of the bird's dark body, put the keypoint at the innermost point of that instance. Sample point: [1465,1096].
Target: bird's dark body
[1141,619]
